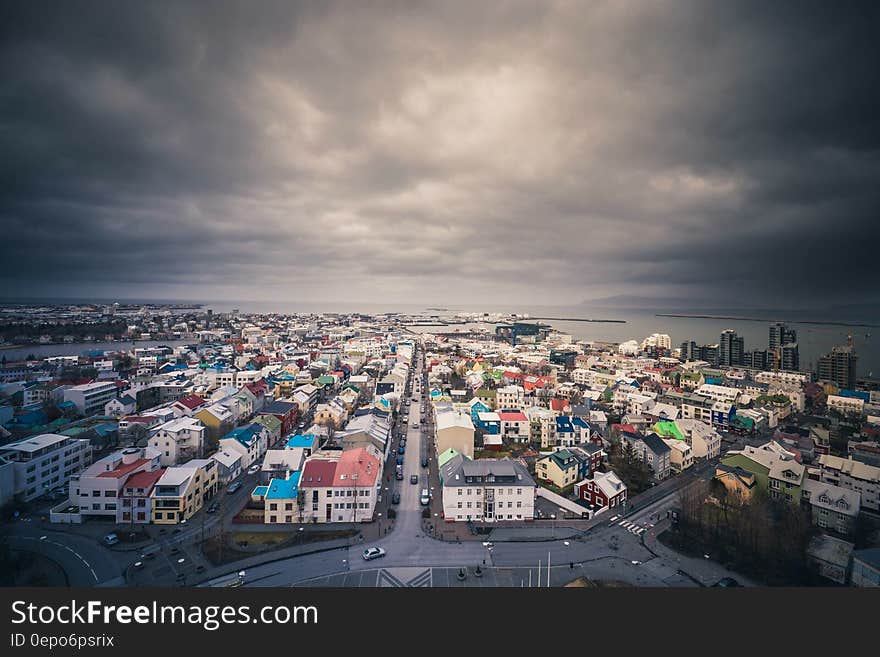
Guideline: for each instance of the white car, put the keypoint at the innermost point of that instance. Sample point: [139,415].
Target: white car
[254,469]
[373,553]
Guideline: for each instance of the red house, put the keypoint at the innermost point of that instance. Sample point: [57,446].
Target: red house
[286,412]
[605,489]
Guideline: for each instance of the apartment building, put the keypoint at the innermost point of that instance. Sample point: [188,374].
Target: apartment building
[182,490]
[179,439]
[852,475]
[486,490]
[97,489]
[90,398]
[509,397]
[45,462]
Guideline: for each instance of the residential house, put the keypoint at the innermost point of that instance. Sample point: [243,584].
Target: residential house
[124,405]
[560,468]
[286,412]
[229,464]
[179,440]
[514,426]
[603,490]
[651,449]
[736,480]
[251,441]
[680,455]
[282,500]
[832,507]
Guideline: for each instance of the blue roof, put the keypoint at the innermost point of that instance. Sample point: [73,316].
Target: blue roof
[855,394]
[299,440]
[67,404]
[245,435]
[260,491]
[580,422]
[563,424]
[284,489]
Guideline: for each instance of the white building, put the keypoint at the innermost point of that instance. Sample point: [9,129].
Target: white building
[45,462]
[486,490]
[512,397]
[90,398]
[179,440]
[97,489]
[854,475]
[846,405]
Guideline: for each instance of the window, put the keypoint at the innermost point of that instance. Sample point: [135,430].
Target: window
[469,505]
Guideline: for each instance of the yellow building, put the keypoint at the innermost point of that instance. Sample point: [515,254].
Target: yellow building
[736,480]
[560,468]
[182,490]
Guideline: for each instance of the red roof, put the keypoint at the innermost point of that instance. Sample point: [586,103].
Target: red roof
[318,472]
[515,416]
[123,469]
[357,462]
[139,418]
[516,376]
[624,427]
[192,402]
[144,480]
[558,404]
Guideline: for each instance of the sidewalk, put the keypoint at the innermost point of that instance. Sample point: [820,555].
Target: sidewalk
[704,571]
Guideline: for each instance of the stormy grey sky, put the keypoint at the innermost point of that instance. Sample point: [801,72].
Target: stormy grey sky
[543,152]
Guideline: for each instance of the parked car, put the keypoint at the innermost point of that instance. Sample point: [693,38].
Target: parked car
[425,498]
[373,553]
[395,498]
[401,449]
[415,425]
[111,539]
[254,469]
[414,479]
[231,488]
[214,507]
[399,460]
[424,461]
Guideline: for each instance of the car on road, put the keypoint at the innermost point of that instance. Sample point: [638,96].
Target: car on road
[254,469]
[231,488]
[373,553]
[403,442]
[399,460]
[414,479]
[424,461]
[214,507]
[415,425]
[727,582]
[395,498]
[424,498]
[401,449]
[111,539]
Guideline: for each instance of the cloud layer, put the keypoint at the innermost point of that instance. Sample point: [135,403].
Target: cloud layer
[519,152]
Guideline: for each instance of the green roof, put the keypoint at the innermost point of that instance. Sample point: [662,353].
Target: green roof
[667,429]
[443,458]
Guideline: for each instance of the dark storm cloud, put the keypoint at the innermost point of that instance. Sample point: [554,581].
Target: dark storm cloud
[520,152]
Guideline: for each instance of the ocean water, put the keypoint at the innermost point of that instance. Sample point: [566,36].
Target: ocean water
[813,339]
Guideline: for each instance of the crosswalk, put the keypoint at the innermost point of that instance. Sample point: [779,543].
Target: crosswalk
[631,527]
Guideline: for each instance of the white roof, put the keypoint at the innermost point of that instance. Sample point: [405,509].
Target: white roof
[36,442]
[225,457]
[450,419]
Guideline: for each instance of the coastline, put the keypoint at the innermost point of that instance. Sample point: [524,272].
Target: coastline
[765,319]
